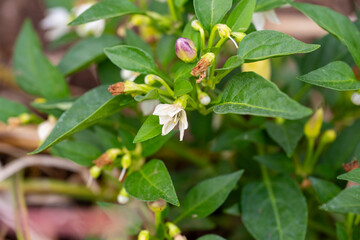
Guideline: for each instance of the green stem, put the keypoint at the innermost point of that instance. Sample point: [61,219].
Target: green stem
[21,216]
[349,224]
[158,223]
[202,36]
[303,90]
[168,88]
[309,156]
[172,10]
[62,188]
[212,37]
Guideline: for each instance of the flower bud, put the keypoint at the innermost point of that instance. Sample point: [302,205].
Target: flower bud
[126,161]
[151,79]
[114,152]
[196,25]
[329,136]
[128,75]
[138,20]
[239,36]
[209,57]
[185,50]
[313,126]
[355,99]
[224,30]
[172,229]
[127,87]
[279,120]
[123,196]
[204,99]
[95,171]
[157,206]
[144,235]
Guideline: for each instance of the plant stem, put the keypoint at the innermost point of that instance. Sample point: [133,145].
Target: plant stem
[309,157]
[212,37]
[58,187]
[20,210]
[349,224]
[158,223]
[172,10]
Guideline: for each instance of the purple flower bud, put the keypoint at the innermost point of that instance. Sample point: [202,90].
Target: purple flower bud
[185,50]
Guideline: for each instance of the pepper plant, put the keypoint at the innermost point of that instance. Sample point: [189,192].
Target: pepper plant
[255,157]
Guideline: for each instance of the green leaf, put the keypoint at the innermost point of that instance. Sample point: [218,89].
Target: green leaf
[266,44]
[132,39]
[207,196]
[211,237]
[94,105]
[85,52]
[211,12]
[182,86]
[353,176]
[153,145]
[274,209]
[150,129]
[131,58]
[165,50]
[277,162]
[336,75]
[324,190]
[336,24]
[347,201]
[231,63]
[240,18]
[10,108]
[287,135]
[33,71]
[265,5]
[249,93]
[184,71]
[127,138]
[152,94]
[80,152]
[151,183]
[108,72]
[106,9]
[53,107]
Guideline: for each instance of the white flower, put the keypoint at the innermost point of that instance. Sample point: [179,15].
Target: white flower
[148,106]
[55,23]
[128,75]
[170,115]
[205,99]
[355,98]
[95,28]
[259,18]
[45,128]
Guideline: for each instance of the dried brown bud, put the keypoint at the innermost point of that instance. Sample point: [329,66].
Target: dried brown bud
[305,183]
[351,165]
[117,88]
[13,122]
[200,69]
[103,160]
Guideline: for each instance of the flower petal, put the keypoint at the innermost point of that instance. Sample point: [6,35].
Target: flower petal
[148,106]
[168,127]
[258,20]
[161,109]
[271,16]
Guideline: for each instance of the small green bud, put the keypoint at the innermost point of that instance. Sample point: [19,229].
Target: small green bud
[157,206]
[239,36]
[279,120]
[95,171]
[25,118]
[182,101]
[144,235]
[172,229]
[328,136]
[313,126]
[209,57]
[126,161]
[224,30]
[196,25]
[113,153]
